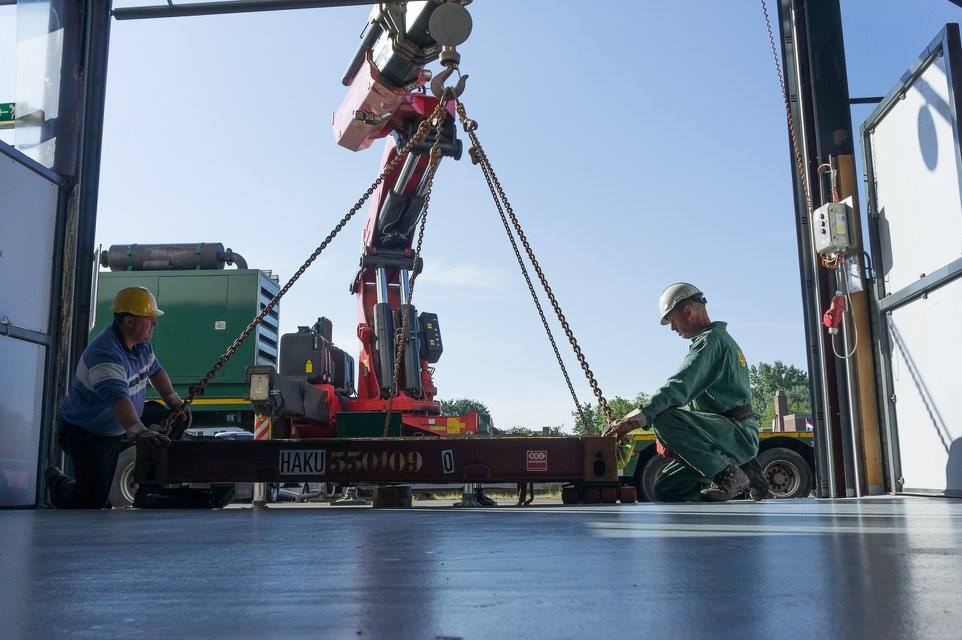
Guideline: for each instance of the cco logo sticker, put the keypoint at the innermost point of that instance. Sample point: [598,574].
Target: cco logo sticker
[536,460]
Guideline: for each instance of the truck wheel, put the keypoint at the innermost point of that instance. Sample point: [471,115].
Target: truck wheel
[649,473]
[124,486]
[787,472]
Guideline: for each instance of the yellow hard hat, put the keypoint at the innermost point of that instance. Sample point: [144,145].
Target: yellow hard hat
[136,301]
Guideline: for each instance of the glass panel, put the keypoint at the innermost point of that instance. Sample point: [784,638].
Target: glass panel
[28,203]
[39,58]
[21,400]
[918,180]
[925,381]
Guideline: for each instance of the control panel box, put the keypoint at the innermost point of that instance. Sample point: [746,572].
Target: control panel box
[832,225]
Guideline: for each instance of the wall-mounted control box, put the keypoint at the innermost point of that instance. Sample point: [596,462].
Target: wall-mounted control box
[831,226]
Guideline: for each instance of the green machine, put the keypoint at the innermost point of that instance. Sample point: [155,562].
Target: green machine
[205,308]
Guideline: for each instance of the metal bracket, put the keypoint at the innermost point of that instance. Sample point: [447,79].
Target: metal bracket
[8,328]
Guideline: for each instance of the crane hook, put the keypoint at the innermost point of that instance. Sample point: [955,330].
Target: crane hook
[442,92]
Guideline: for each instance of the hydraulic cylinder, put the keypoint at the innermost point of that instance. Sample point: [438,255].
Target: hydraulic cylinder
[412,342]
[384,330]
[412,353]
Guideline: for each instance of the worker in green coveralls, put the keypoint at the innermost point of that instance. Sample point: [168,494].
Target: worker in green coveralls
[703,413]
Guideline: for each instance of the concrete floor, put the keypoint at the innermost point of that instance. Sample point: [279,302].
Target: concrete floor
[879,568]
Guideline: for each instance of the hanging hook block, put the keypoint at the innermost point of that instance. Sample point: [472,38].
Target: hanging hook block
[450,24]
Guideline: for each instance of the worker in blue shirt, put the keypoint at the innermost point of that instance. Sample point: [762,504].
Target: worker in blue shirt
[102,410]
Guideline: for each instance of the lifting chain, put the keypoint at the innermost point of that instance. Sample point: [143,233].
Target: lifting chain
[478,156]
[793,132]
[434,159]
[825,261]
[198,389]
[534,295]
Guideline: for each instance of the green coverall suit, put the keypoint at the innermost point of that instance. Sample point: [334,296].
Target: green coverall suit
[712,380]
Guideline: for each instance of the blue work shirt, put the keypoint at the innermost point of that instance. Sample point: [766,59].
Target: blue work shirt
[107,372]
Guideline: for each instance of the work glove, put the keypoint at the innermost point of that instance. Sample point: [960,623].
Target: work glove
[177,406]
[162,428]
[185,414]
[634,420]
[152,437]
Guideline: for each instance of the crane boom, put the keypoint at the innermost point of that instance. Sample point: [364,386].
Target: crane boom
[386,98]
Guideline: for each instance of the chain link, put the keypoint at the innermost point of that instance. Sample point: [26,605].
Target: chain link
[198,389]
[497,192]
[434,160]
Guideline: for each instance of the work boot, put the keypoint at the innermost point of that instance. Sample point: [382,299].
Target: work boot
[483,499]
[55,478]
[728,483]
[759,488]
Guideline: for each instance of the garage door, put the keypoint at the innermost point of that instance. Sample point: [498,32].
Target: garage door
[914,164]
[29,198]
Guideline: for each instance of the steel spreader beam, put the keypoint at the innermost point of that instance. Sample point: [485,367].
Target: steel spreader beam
[591,460]
[235,6]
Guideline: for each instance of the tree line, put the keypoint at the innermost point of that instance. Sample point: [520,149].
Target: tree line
[765,379]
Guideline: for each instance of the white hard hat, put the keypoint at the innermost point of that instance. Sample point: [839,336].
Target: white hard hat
[674,294]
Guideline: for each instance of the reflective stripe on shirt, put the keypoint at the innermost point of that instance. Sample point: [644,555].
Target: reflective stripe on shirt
[89,377]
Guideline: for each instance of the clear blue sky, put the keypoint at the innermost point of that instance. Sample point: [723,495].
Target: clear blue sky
[640,142]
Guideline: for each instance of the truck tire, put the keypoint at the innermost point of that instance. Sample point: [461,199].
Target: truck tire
[787,472]
[124,486]
[649,473]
